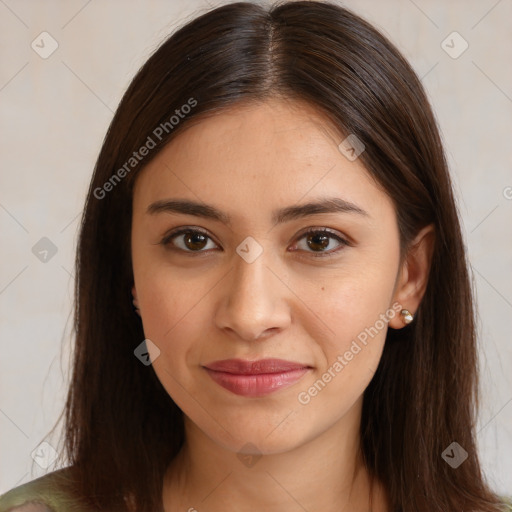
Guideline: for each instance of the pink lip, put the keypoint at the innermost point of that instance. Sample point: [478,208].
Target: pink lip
[255,378]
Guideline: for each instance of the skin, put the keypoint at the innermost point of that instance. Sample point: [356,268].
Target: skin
[198,307]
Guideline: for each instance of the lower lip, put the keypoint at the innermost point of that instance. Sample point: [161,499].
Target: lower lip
[256,385]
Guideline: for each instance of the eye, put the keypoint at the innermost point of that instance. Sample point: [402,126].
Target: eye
[319,241]
[188,240]
[194,240]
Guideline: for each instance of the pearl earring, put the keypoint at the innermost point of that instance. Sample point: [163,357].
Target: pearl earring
[407,317]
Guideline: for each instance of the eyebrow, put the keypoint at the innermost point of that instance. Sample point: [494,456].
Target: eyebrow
[188,207]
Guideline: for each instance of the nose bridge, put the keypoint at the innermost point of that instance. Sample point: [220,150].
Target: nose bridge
[250,279]
[253,301]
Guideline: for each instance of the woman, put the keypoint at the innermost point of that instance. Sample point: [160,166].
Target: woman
[273,197]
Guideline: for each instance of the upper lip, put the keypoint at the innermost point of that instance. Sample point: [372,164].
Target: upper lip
[243,367]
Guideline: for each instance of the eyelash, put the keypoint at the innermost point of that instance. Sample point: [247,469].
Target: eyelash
[186,230]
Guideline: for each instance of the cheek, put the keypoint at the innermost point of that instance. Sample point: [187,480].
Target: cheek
[359,326]
[171,308]
[353,303]
[173,319]
[356,310]
[348,358]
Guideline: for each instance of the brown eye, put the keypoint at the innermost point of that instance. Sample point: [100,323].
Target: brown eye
[322,242]
[318,241]
[195,241]
[189,240]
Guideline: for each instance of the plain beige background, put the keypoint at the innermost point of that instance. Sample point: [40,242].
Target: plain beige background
[54,112]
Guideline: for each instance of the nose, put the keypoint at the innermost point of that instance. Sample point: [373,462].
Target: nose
[253,302]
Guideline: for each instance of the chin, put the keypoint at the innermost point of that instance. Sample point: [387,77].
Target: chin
[255,444]
[261,438]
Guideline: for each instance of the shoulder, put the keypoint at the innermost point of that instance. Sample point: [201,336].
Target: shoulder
[507,501]
[49,493]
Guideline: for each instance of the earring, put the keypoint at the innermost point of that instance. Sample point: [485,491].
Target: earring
[407,317]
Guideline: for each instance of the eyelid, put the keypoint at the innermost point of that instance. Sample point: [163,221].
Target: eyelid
[343,240]
[321,229]
[166,239]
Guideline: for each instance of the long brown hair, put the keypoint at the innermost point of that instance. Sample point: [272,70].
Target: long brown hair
[121,427]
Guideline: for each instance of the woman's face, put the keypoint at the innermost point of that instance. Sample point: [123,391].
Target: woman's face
[245,281]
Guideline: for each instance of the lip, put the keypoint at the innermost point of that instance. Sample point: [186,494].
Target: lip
[255,378]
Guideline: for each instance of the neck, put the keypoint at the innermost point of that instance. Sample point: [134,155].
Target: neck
[324,474]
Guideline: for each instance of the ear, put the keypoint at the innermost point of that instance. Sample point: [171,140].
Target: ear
[413,275]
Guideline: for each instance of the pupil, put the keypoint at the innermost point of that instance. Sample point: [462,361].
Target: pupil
[196,241]
[322,245]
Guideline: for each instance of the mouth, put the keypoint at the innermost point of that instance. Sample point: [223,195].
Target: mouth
[255,378]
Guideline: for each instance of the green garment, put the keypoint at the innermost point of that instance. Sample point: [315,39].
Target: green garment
[46,490]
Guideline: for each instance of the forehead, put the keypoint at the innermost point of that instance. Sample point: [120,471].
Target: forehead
[253,155]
